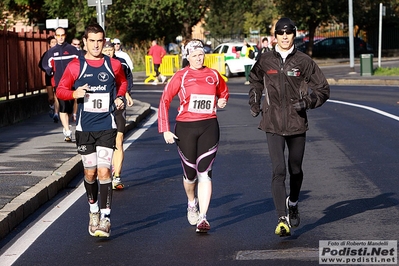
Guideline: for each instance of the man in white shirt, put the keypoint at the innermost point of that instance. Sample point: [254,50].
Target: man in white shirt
[122,54]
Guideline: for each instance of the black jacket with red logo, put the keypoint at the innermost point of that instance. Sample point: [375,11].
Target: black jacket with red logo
[284,83]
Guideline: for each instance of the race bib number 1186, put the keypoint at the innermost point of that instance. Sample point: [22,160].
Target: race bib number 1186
[200,103]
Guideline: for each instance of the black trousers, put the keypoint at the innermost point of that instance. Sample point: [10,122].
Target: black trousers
[296,149]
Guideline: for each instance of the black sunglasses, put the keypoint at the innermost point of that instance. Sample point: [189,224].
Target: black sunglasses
[281,32]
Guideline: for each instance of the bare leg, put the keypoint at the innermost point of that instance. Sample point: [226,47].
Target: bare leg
[204,195]
[117,159]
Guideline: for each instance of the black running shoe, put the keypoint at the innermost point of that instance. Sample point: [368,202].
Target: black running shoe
[293,214]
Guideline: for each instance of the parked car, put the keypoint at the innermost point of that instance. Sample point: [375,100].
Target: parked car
[233,62]
[336,47]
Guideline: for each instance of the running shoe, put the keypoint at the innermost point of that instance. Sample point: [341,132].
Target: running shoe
[155,82]
[55,118]
[104,228]
[163,79]
[68,135]
[283,227]
[203,226]
[94,221]
[117,183]
[193,213]
[293,214]
[51,111]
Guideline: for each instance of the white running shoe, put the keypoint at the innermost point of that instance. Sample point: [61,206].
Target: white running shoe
[203,225]
[193,213]
[94,222]
[104,229]
[67,134]
[163,79]
[117,183]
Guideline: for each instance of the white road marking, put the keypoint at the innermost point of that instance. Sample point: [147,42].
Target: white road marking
[27,238]
[306,254]
[375,110]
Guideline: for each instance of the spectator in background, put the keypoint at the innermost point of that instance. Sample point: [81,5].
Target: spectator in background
[248,53]
[52,99]
[173,48]
[157,52]
[122,54]
[265,48]
[76,42]
[54,62]
[184,62]
[207,47]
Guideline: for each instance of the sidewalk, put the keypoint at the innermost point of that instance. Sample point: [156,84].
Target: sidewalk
[35,164]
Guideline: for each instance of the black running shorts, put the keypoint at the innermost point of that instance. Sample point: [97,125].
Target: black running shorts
[87,142]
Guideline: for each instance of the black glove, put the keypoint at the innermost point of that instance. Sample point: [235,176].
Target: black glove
[300,105]
[255,110]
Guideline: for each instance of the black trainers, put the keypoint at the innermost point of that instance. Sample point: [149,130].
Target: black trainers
[293,214]
[283,227]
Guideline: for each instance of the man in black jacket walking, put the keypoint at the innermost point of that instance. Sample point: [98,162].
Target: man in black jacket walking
[292,83]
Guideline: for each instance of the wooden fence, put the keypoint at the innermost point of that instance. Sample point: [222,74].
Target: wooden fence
[20,53]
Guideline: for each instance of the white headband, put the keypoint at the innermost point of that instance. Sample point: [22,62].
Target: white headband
[194,45]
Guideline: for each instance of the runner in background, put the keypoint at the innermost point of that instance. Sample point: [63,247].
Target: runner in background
[120,119]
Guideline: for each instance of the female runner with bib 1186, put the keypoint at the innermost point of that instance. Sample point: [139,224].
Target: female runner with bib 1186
[201,90]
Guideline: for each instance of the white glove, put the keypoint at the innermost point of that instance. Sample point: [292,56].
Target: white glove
[169,137]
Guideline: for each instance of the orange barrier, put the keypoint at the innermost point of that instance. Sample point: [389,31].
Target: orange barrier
[171,63]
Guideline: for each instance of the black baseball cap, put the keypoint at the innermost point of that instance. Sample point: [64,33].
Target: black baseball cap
[285,24]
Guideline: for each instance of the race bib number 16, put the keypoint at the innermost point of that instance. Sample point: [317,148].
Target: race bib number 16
[96,102]
[200,103]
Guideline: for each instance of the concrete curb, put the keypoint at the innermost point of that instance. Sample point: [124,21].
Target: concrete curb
[366,81]
[14,212]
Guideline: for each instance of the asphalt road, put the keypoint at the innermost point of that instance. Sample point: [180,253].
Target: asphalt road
[349,192]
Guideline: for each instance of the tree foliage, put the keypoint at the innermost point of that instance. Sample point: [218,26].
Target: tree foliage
[260,16]
[138,20]
[29,10]
[366,14]
[309,14]
[143,19]
[225,18]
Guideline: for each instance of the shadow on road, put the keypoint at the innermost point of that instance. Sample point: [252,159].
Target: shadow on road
[347,208]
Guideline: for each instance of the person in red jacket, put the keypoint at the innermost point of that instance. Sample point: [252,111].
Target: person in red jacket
[157,52]
[201,91]
[101,85]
